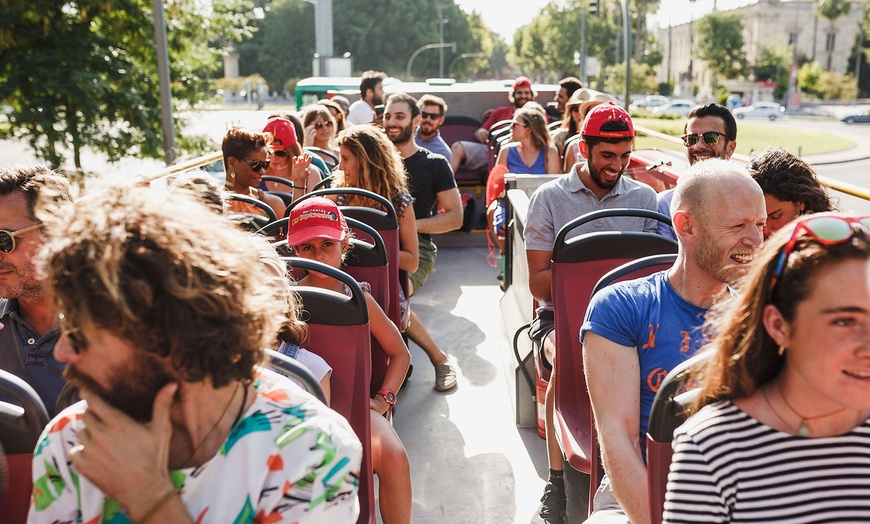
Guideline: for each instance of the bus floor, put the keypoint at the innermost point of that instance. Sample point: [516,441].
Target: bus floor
[470,463]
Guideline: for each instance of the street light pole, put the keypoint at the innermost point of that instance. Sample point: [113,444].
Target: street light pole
[451,45]
[462,57]
[441,22]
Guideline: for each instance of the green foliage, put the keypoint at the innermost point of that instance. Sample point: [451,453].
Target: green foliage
[833,9]
[836,86]
[665,88]
[720,43]
[773,64]
[85,73]
[642,78]
[809,75]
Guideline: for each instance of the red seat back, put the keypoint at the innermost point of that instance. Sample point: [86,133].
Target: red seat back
[338,331]
[577,265]
[19,431]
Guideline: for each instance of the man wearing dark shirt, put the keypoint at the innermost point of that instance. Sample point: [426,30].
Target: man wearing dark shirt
[29,328]
[432,184]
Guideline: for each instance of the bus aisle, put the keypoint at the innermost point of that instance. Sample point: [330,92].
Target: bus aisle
[470,463]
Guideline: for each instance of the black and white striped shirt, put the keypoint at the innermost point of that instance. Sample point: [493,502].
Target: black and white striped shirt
[729,467]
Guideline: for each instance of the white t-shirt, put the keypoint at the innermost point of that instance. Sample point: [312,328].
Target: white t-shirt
[360,112]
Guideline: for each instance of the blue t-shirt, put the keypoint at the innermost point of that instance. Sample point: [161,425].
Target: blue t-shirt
[649,315]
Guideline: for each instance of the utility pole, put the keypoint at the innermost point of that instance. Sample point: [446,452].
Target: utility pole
[163,78]
[441,22]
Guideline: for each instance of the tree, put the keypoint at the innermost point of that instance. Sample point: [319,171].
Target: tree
[773,64]
[832,10]
[85,74]
[642,78]
[720,44]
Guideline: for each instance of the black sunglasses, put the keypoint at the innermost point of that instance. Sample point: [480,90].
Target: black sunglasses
[257,165]
[320,125]
[710,138]
[280,152]
[7,238]
[72,335]
[430,116]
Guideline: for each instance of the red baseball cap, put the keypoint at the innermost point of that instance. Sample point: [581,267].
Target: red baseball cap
[283,132]
[522,81]
[316,217]
[602,114]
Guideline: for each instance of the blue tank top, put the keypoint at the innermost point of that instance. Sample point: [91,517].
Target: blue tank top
[515,163]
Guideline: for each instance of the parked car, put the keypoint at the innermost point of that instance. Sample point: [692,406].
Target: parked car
[769,110]
[650,102]
[675,108]
[859,118]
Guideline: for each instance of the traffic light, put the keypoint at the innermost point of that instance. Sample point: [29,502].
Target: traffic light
[593,6]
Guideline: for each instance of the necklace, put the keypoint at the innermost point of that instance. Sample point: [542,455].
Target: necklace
[214,427]
[804,430]
[775,412]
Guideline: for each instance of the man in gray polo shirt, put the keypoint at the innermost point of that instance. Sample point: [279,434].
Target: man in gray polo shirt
[598,184]
[29,322]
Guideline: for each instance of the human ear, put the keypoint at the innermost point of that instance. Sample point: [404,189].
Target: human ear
[584,149]
[776,325]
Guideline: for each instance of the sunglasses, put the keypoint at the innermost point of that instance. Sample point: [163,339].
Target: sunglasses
[515,124]
[257,165]
[710,138]
[280,153]
[828,230]
[430,116]
[72,335]
[321,125]
[7,238]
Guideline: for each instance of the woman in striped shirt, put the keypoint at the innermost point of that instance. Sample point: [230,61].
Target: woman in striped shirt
[784,435]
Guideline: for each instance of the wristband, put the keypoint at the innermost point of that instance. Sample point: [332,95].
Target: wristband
[159,504]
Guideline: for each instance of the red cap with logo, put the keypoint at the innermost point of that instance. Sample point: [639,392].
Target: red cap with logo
[316,217]
[283,131]
[522,81]
[601,115]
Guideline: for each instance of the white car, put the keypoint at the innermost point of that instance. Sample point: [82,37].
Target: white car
[770,110]
[650,102]
[675,108]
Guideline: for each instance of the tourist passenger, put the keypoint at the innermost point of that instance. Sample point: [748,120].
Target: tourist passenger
[318,232]
[433,187]
[790,186]
[320,128]
[371,94]
[530,151]
[643,328]
[567,87]
[475,155]
[337,113]
[571,154]
[162,333]
[786,432]
[246,158]
[598,184]
[710,132]
[428,136]
[28,321]
[288,161]
[368,161]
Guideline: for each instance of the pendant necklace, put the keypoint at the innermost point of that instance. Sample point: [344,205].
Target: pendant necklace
[803,429]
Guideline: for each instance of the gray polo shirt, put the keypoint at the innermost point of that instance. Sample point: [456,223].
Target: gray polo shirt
[559,201]
[26,354]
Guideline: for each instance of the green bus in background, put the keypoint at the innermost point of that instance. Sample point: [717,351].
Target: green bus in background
[310,90]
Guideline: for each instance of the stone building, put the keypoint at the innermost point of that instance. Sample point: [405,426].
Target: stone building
[766,23]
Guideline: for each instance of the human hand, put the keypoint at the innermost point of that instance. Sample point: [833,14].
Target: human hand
[125,459]
[299,169]
[379,405]
[482,135]
[310,133]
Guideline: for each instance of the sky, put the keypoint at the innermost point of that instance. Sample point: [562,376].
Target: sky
[506,16]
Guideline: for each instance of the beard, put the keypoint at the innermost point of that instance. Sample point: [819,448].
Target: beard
[598,179]
[403,137]
[25,284]
[132,387]
[714,260]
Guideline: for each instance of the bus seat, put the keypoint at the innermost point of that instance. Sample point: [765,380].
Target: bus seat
[296,371]
[250,221]
[667,414]
[20,427]
[459,127]
[329,158]
[338,331]
[577,265]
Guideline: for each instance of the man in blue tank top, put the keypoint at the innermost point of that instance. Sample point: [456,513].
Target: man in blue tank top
[637,331]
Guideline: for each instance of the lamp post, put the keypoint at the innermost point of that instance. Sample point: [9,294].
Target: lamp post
[441,22]
[451,45]
[461,57]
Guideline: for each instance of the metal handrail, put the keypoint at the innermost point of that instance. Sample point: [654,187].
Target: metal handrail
[836,185]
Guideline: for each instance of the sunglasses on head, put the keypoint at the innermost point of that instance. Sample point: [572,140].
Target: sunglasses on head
[321,125]
[430,116]
[257,165]
[7,238]
[710,138]
[828,230]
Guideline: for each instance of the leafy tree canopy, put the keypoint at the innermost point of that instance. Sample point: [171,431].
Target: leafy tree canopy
[720,43]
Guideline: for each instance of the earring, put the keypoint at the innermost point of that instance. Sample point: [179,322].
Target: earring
[232,176]
[781,351]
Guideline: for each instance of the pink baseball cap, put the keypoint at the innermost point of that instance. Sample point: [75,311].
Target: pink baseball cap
[602,114]
[316,217]
[522,81]
[283,132]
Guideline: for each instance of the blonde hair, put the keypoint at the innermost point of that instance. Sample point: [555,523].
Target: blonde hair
[536,121]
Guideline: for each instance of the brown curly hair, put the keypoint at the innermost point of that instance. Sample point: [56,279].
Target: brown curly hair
[381,169]
[169,276]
